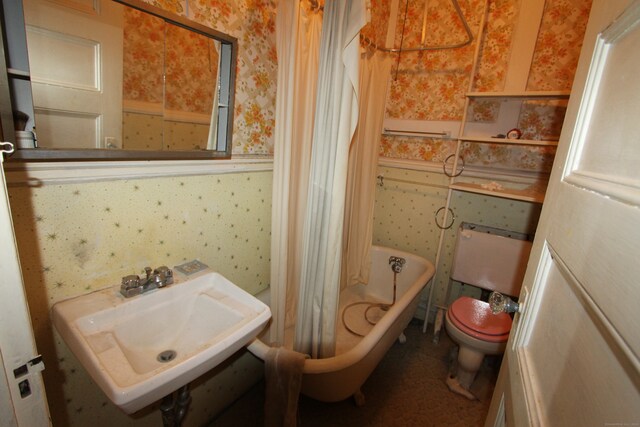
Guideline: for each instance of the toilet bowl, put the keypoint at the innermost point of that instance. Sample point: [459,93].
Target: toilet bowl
[478,332]
[491,261]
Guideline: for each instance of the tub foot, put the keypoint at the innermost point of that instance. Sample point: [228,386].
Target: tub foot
[402,338]
[358,398]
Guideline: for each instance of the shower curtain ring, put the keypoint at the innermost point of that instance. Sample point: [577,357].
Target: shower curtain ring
[453,174]
[9,147]
[380,181]
[453,219]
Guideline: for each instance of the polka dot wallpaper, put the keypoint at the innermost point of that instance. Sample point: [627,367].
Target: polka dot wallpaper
[404,218]
[141,131]
[77,238]
[495,212]
[152,132]
[404,213]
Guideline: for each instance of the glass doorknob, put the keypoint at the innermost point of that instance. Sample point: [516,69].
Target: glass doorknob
[500,303]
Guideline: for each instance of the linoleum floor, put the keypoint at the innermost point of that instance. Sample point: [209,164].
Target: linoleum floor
[406,389]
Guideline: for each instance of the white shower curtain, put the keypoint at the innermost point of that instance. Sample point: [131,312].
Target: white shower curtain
[363,163]
[298,40]
[335,122]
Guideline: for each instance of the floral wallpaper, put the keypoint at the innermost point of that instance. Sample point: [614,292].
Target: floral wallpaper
[143,57]
[490,155]
[252,22]
[431,86]
[77,238]
[483,110]
[174,70]
[191,71]
[542,120]
[501,156]
[496,46]
[176,6]
[538,120]
[376,29]
[411,148]
[559,42]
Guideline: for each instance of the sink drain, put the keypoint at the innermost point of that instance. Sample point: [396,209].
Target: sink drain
[166,356]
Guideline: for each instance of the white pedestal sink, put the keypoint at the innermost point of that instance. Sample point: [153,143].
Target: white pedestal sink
[142,348]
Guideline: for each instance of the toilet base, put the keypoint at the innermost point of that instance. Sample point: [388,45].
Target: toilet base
[469,362]
[465,364]
[455,386]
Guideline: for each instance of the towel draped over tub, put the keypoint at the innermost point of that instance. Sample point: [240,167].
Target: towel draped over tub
[283,378]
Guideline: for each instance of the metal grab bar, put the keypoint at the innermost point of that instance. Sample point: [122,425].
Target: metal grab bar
[405,181]
[422,132]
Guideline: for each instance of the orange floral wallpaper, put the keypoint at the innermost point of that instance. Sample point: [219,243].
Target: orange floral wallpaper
[559,42]
[252,22]
[376,30]
[153,51]
[431,85]
[191,71]
[427,149]
[542,120]
[143,57]
[496,45]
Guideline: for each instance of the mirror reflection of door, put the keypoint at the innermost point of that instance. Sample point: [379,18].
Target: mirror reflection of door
[75,56]
[161,79]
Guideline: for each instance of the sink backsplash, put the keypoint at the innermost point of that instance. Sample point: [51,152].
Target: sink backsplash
[76,238]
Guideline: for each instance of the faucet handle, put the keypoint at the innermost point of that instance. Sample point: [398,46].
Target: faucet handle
[147,271]
[165,275]
[130,286]
[131,281]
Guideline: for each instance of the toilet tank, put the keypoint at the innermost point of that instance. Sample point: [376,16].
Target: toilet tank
[490,258]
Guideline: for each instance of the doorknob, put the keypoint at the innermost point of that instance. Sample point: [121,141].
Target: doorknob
[500,303]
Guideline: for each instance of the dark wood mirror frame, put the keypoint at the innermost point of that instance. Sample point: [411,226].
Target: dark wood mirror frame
[228,59]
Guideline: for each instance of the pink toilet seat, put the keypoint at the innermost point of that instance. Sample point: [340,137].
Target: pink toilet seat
[474,317]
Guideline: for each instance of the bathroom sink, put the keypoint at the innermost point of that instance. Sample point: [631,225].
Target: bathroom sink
[140,349]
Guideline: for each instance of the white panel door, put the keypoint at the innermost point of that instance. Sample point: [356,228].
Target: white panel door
[75,60]
[22,397]
[573,355]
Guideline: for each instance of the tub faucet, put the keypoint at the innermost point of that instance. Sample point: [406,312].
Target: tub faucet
[133,285]
[396,263]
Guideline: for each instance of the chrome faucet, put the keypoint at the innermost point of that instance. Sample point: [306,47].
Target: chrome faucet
[396,263]
[133,285]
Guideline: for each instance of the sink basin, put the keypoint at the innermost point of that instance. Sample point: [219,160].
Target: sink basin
[140,349]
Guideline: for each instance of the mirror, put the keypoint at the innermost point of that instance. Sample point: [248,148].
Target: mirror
[124,80]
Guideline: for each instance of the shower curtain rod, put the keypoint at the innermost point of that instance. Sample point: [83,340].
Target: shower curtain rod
[426,48]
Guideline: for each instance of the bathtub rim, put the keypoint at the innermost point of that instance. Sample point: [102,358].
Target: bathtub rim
[357,353]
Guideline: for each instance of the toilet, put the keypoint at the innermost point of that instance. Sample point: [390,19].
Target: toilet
[494,260]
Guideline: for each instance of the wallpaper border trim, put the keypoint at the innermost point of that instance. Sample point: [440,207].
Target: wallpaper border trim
[38,174]
[470,171]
